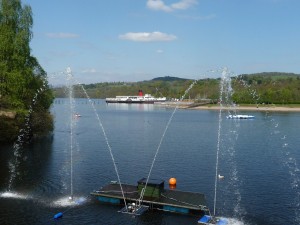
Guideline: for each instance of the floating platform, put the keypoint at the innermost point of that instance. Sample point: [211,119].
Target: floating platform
[155,197]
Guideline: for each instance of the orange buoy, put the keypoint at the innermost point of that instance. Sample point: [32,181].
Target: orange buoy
[172,181]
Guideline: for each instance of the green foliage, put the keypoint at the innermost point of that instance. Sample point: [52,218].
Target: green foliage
[8,130]
[22,79]
[267,88]
[41,123]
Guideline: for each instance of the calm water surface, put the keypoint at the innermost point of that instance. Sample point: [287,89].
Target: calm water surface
[257,157]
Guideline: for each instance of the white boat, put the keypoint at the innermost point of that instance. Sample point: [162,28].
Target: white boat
[141,99]
[240,117]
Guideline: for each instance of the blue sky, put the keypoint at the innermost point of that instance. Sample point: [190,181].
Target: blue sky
[135,40]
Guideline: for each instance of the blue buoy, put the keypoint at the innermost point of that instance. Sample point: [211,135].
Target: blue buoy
[58,215]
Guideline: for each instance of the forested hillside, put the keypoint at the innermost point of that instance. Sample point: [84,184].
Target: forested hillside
[276,88]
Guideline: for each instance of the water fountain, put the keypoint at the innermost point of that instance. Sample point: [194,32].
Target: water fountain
[72,113]
[71,200]
[225,102]
[23,136]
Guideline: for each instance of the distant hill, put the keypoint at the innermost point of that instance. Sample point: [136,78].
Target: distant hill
[168,78]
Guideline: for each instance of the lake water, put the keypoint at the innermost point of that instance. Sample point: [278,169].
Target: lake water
[258,158]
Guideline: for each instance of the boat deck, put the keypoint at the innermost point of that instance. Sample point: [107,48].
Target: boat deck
[169,200]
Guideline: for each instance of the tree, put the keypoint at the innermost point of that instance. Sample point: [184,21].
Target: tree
[23,84]
[15,29]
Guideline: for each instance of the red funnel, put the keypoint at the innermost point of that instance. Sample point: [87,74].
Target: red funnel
[140,93]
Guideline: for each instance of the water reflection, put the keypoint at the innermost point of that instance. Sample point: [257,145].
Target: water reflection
[32,166]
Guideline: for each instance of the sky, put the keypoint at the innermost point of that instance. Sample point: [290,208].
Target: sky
[136,40]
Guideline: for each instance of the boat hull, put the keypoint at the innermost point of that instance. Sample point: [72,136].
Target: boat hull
[130,102]
[139,99]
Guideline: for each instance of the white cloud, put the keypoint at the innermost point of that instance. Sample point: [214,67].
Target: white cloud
[184,4]
[62,35]
[148,37]
[160,5]
[159,51]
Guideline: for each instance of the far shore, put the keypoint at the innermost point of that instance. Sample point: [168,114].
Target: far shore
[263,108]
[251,108]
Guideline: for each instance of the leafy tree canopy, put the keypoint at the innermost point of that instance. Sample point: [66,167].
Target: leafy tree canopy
[23,83]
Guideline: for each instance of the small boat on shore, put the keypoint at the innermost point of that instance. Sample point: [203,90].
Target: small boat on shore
[240,117]
[140,99]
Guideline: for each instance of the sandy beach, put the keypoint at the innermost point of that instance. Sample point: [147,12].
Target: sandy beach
[250,108]
[263,108]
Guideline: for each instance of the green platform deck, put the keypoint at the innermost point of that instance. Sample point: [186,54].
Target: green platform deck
[169,200]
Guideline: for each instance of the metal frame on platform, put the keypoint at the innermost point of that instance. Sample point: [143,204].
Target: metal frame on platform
[134,209]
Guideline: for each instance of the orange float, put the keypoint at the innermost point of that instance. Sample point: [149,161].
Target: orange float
[172,181]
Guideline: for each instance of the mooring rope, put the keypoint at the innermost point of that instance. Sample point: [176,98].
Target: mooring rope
[161,140]
[108,145]
[202,206]
[104,134]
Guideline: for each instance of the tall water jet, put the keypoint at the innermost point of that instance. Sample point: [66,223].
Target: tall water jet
[225,101]
[219,138]
[71,102]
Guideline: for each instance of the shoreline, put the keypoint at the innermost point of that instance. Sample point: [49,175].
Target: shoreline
[250,108]
[262,108]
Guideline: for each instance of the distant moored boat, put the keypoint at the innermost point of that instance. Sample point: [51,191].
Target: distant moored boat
[141,99]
